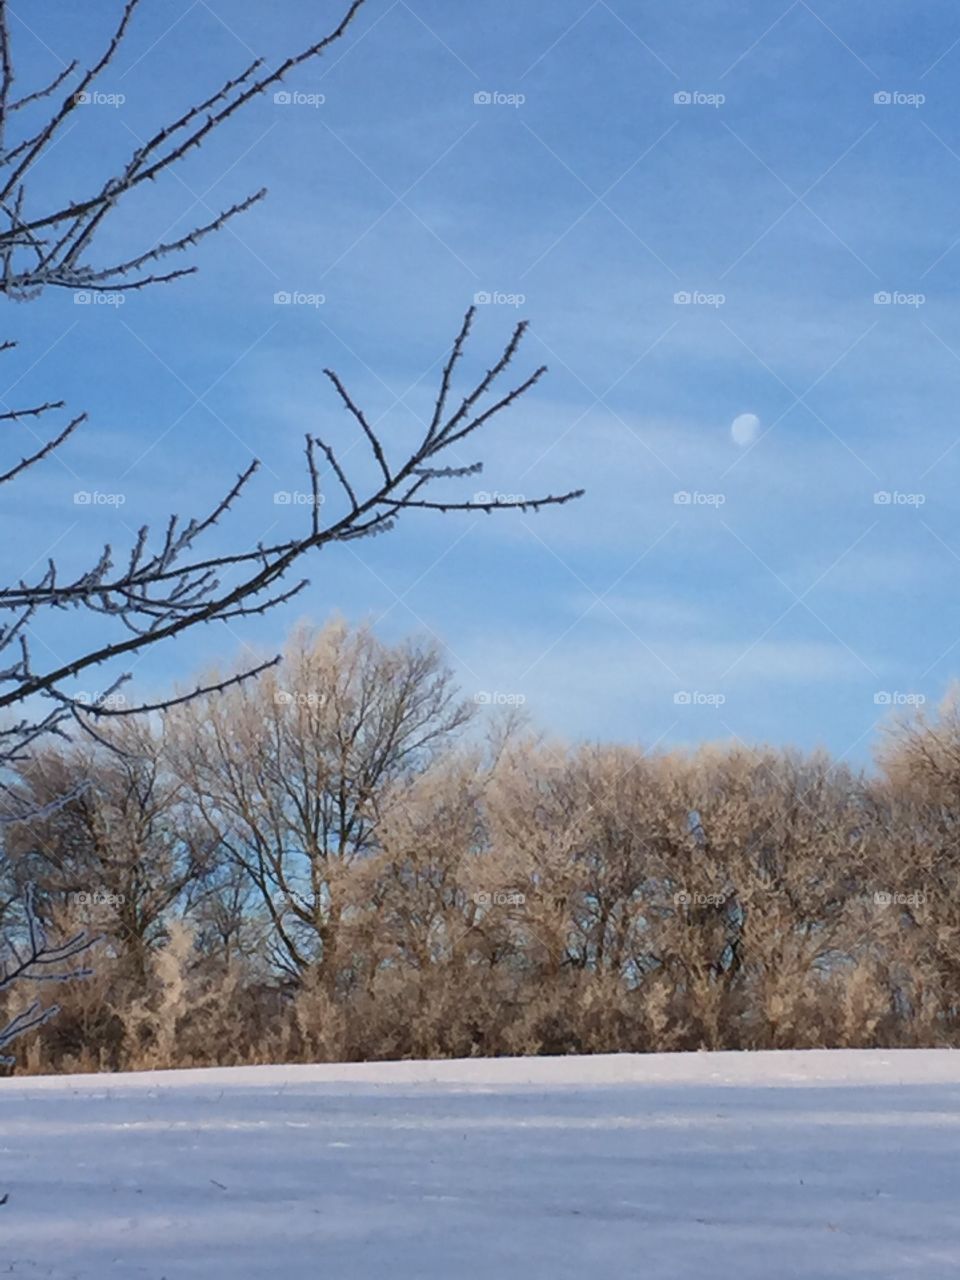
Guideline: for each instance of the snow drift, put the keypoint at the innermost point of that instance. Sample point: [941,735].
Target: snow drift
[795,1164]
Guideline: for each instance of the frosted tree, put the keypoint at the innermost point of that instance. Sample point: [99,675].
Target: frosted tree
[165,584]
[33,958]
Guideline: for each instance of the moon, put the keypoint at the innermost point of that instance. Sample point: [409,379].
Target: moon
[744,428]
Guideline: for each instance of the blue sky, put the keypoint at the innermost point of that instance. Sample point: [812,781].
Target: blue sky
[783,598]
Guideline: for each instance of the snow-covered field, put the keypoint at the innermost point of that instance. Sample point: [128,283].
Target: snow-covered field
[727,1166]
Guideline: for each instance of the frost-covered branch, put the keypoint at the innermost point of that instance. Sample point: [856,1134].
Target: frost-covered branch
[33,958]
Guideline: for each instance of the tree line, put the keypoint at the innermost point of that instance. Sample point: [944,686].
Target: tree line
[344,859]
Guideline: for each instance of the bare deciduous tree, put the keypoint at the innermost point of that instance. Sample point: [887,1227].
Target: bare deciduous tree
[46,241]
[123,848]
[160,588]
[292,773]
[155,594]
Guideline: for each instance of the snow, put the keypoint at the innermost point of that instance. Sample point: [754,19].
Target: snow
[762,1166]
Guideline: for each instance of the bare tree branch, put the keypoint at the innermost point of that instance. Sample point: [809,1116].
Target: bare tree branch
[165,584]
[35,959]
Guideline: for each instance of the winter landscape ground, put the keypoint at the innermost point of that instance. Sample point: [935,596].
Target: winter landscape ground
[791,1164]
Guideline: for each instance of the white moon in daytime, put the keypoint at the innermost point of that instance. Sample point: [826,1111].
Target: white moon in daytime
[744,428]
